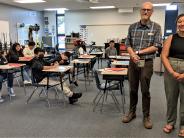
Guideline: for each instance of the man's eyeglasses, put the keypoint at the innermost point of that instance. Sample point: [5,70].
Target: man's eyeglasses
[148,10]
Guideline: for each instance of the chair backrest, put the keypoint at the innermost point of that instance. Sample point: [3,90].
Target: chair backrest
[97,79]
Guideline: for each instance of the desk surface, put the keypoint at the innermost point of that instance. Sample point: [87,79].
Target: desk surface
[82,61]
[11,66]
[25,58]
[87,56]
[60,69]
[96,53]
[120,57]
[112,71]
[123,63]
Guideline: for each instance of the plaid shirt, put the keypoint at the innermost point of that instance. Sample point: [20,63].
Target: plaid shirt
[143,36]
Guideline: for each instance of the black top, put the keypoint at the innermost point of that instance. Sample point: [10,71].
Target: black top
[58,58]
[13,57]
[3,61]
[37,65]
[177,47]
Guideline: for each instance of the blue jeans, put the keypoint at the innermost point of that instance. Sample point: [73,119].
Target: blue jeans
[26,75]
[9,79]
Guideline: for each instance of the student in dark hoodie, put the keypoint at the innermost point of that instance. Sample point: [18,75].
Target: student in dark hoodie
[64,59]
[38,64]
[13,57]
[4,75]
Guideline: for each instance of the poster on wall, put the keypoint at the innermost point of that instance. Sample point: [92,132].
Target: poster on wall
[83,33]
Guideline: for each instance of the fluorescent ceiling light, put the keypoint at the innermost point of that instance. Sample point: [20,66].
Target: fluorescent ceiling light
[56,9]
[102,7]
[29,1]
[161,4]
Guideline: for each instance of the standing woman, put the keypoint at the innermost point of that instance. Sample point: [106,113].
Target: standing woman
[173,60]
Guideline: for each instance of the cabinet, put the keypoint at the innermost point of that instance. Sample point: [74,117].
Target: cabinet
[69,42]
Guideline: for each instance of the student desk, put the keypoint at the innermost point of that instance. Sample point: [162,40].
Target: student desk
[85,62]
[11,66]
[59,70]
[120,63]
[120,57]
[115,74]
[98,55]
[87,56]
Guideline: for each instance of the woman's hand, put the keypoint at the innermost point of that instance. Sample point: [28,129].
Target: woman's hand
[175,75]
[180,77]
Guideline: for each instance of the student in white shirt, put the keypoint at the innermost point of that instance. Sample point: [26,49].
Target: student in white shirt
[29,51]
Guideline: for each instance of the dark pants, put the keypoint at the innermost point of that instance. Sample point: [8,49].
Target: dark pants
[9,80]
[143,75]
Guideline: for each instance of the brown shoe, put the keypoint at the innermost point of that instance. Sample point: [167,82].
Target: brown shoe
[129,117]
[147,123]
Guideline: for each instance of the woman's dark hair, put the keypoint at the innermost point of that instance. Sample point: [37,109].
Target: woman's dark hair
[112,41]
[14,47]
[83,45]
[1,53]
[179,16]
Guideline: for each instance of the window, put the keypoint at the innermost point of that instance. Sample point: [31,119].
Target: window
[61,30]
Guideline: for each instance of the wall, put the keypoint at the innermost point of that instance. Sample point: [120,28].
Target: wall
[180,8]
[16,15]
[74,19]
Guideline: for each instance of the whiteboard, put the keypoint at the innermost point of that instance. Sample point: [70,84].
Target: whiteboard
[4,30]
[104,33]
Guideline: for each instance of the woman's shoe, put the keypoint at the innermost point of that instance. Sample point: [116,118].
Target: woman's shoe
[181,133]
[168,128]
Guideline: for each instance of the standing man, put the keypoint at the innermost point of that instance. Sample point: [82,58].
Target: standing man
[143,40]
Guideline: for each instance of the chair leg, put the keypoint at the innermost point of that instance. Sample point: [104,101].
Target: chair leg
[96,97]
[47,97]
[97,103]
[116,104]
[40,93]
[18,82]
[106,95]
[29,98]
[102,103]
[115,98]
[56,93]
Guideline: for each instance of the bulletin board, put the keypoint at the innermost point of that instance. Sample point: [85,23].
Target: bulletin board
[104,33]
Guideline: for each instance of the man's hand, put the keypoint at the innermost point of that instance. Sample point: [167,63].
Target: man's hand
[135,58]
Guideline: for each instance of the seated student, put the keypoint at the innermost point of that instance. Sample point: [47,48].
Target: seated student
[13,57]
[80,49]
[38,64]
[4,75]
[29,51]
[110,51]
[63,59]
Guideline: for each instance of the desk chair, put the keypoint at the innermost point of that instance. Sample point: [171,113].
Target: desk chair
[101,87]
[44,89]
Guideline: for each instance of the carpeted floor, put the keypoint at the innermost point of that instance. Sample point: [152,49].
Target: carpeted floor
[35,119]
